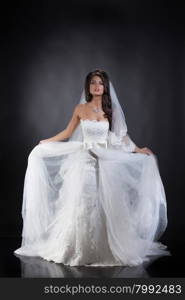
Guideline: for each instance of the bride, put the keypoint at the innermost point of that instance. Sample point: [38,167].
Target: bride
[96,199]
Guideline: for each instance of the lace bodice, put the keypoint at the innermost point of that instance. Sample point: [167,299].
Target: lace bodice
[94,132]
[97,132]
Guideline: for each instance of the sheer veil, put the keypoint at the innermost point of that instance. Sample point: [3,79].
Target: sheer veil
[57,195]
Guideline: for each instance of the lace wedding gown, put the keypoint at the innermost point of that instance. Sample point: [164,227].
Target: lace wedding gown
[90,203]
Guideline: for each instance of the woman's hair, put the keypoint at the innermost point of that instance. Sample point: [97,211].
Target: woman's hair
[106,98]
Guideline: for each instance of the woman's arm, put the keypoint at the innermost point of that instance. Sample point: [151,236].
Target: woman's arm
[67,132]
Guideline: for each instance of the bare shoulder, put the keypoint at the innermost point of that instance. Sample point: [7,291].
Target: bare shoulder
[80,107]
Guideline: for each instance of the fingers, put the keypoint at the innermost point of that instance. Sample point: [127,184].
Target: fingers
[147,151]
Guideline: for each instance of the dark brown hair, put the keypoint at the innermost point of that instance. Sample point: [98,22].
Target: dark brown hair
[106,98]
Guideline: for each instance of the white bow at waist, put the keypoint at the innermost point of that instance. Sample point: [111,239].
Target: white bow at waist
[90,144]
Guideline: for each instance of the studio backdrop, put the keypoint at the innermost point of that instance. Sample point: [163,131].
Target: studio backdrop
[47,49]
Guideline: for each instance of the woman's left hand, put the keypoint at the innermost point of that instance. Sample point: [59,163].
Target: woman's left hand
[44,141]
[145,150]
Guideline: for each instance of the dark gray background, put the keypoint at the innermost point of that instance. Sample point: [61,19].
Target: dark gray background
[47,49]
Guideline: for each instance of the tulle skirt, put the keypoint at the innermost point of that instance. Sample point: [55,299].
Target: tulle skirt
[95,207]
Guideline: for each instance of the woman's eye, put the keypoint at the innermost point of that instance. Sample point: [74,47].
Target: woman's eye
[99,83]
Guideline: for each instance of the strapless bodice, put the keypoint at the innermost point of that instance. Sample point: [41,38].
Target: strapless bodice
[94,132]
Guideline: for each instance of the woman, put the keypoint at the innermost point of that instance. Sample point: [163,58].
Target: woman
[97,199]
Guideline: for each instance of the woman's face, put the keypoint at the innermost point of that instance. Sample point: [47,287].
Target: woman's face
[96,86]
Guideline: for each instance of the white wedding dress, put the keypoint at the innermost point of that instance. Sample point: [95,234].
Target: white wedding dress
[90,203]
